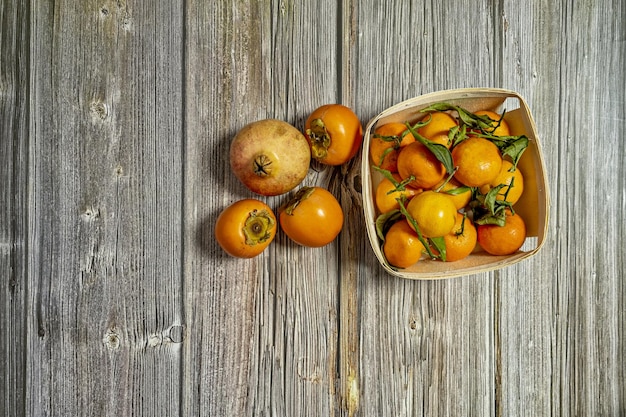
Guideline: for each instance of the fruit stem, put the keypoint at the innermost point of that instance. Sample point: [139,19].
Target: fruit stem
[320,139]
[258,227]
[302,194]
[262,165]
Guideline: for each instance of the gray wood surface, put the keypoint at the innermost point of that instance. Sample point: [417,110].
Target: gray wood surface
[115,123]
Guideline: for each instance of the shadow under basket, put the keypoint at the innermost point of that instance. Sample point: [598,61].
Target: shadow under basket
[533,205]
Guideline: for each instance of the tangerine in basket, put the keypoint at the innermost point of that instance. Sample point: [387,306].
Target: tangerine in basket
[402,247]
[386,142]
[418,161]
[438,127]
[458,193]
[461,241]
[502,240]
[499,129]
[478,161]
[513,180]
[387,194]
[434,213]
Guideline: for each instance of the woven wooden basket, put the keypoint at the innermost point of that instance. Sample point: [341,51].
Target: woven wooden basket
[533,206]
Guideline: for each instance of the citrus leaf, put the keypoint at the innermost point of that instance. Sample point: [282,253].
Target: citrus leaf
[440,244]
[399,186]
[442,153]
[385,221]
[516,149]
[416,227]
[458,190]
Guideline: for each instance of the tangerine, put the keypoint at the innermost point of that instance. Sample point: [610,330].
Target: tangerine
[386,142]
[508,175]
[478,161]
[503,240]
[418,161]
[501,129]
[434,213]
[461,241]
[438,127]
[458,193]
[387,196]
[402,247]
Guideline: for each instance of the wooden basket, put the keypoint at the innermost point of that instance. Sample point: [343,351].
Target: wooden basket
[533,206]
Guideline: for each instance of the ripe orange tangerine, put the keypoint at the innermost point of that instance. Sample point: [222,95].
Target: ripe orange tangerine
[387,196]
[503,240]
[385,145]
[461,241]
[506,177]
[502,129]
[417,160]
[402,247]
[478,161]
[433,212]
[438,127]
[458,193]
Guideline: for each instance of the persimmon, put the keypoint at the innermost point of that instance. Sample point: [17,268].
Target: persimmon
[334,133]
[245,228]
[312,217]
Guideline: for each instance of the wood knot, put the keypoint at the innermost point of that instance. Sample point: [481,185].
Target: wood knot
[99,110]
[111,339]
[90,214]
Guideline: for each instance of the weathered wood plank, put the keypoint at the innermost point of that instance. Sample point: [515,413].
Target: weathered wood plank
[427,348]
[105,301]
[562,312]
[263,332]
[14,90]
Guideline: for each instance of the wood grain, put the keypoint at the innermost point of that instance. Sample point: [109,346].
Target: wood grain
[116,118]
[104,289]
[14,140]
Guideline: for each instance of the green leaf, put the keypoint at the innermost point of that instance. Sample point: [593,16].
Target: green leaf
[387,138]
[442,153]
[399,186]
[499,219]
[491,198]
[438,107]
[515,149]
[440,244]
[421,238]
[385,221]
[459,190]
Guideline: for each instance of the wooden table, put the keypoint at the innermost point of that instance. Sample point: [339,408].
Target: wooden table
[115,300]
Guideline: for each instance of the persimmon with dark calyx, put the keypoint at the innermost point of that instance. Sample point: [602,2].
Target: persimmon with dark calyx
[312,217]
[270,157]
[335,134]
[245,228]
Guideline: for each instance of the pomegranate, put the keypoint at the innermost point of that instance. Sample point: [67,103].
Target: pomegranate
[270,157]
